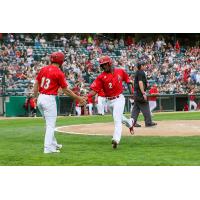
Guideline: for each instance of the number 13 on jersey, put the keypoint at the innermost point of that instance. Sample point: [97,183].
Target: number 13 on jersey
[45,83]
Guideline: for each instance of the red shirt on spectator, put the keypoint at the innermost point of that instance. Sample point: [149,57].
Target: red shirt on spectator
[177,46]
[129,41]
[89,65]
[84,41]
[186,75]
[18,54]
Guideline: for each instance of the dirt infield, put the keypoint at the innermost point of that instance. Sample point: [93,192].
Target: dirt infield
[164,128]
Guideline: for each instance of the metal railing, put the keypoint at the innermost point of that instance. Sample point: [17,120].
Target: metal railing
[168,102]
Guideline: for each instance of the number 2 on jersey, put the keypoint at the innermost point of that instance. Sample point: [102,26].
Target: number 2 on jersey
[45,83]
[110,85]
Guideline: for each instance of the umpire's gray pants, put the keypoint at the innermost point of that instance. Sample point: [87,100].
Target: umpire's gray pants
[144,108]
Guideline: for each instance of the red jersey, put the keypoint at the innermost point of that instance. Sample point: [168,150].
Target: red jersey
[90,99]
[192,97]
[101,93]
[186,107]
[50,79]
[153,90]
[77,103]
[30,102]
[111,83]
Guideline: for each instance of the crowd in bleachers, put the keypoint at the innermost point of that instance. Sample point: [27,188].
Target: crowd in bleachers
[175,68]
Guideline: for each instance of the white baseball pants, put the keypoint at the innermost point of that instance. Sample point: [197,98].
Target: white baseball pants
[101,105]
[193,103]
[78,110]
[132,103]
[152,105]
[90,106]
[117,108]
[48,109]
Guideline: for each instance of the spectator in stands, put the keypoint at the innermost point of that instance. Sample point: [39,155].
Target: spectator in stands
[90,39]
[198,78]
[28,39]
[166,66]
[121,42]
[64,40]
[29,51]
[177,47]
[43,42]
[37,41]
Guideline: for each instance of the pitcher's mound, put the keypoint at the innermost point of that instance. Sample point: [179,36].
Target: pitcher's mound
[164,128]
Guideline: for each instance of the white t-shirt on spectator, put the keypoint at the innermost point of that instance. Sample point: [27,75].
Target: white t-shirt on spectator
[29,52]
[198,77]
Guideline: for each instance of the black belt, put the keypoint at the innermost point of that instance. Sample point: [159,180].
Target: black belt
[111,98]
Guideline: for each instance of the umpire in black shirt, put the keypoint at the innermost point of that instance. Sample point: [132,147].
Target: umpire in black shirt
[141,103]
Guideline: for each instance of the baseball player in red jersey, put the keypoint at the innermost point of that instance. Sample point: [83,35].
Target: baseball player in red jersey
[110,80]
[152,99]
[192,98]
[78,108]
[49,79]
[30,101]
[90,104]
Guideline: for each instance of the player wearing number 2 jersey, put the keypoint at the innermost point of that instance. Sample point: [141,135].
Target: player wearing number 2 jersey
[110,80]
[48,81]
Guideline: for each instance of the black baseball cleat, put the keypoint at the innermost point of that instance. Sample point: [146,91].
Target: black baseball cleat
[114,144]
[152,124]
[137,125]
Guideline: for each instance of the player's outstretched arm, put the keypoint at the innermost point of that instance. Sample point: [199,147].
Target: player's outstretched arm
[91,93]
[35,89]
[82,100]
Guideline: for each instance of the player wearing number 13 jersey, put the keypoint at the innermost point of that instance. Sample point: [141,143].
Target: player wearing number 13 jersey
[110,81]
[48,81]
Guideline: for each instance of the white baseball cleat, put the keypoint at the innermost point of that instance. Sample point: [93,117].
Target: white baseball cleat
[51,151]
[131,128]
[59,146]
[114,144]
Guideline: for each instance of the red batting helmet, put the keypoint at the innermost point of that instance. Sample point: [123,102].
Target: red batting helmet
[57,57]
[104,60]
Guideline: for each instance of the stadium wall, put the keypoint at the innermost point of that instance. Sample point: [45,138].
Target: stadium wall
[65,105]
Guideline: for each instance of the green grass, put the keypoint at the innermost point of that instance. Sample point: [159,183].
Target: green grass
[21,143]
